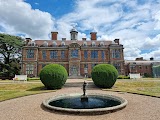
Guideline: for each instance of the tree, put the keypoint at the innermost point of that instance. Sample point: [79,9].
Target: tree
[10,53]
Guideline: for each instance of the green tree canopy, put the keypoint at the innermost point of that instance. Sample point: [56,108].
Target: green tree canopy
[10,48]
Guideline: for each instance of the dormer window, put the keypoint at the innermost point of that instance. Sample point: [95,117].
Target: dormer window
[54,44]
[45,44]
[62,43]
[29,44]
[33,43]
[85,44]
[101,43]
[93,44]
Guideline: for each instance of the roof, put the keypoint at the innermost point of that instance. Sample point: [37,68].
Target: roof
[67,42]
[143,62]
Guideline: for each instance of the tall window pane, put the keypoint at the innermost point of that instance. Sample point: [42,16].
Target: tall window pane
[85,65]
[74,53]
[85,54]
[44,56]
[103,54]
[62,54]
[53,54]
[93,65]
[29,69]
[43,65]
[117,66]
[116,53]
[30,53]
[94,54]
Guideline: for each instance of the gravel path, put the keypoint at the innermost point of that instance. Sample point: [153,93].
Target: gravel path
[29,107]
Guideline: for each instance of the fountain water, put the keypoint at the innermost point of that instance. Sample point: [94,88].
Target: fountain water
[86,104]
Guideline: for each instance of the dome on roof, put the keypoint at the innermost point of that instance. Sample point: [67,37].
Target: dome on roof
[54,44]
[45,43]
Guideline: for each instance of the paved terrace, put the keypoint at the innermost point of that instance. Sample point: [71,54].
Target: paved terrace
[29,107]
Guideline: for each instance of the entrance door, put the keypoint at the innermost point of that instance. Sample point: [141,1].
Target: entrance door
[74,70]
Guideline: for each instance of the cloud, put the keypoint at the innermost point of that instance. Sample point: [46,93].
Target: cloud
[18,17]
[155,54]
[36,3]
[136,23]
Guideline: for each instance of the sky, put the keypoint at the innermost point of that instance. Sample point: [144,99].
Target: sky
[135,22]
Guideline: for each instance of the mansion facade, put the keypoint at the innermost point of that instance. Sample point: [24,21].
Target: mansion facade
[77,56]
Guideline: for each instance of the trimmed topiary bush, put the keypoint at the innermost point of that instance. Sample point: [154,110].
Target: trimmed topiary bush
[53,76]
[104,75]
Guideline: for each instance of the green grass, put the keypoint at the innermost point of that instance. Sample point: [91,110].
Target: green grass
[33,79]
[10,90]
[145,87]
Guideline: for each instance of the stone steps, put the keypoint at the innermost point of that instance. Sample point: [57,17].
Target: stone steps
[75,77]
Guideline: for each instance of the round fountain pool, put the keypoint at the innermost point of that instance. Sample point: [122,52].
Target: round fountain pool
[94,104]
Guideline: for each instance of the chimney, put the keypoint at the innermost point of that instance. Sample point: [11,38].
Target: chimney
[84,39]
[63,39]
[28,40]
[116,41]
[151,59]
[54,35]
[93,35]
[139,59]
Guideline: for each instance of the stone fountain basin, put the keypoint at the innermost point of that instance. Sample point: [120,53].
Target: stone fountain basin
[123,103]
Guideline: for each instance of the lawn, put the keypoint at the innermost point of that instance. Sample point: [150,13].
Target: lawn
[9,90]
[146,87]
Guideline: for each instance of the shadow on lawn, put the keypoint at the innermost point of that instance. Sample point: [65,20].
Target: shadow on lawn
[41,88]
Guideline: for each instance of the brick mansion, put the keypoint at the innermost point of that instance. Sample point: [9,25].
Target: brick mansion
[77,56]
[80,56]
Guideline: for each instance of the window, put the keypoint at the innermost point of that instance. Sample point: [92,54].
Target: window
[29,69]
[94,54]
[117,66]
[44,56]
[30,53]
[85,65]
[93,44]
[33,43]
[85,68]
[85,54]
[63,54]
[132,67]
[101,43]
[53,54]
[115,53]
[103,54]
[140,67]
[62,44]
[43,65]
[74,53]
[85,44]
[93,65]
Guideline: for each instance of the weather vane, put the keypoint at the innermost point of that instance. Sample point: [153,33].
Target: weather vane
[74,25]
